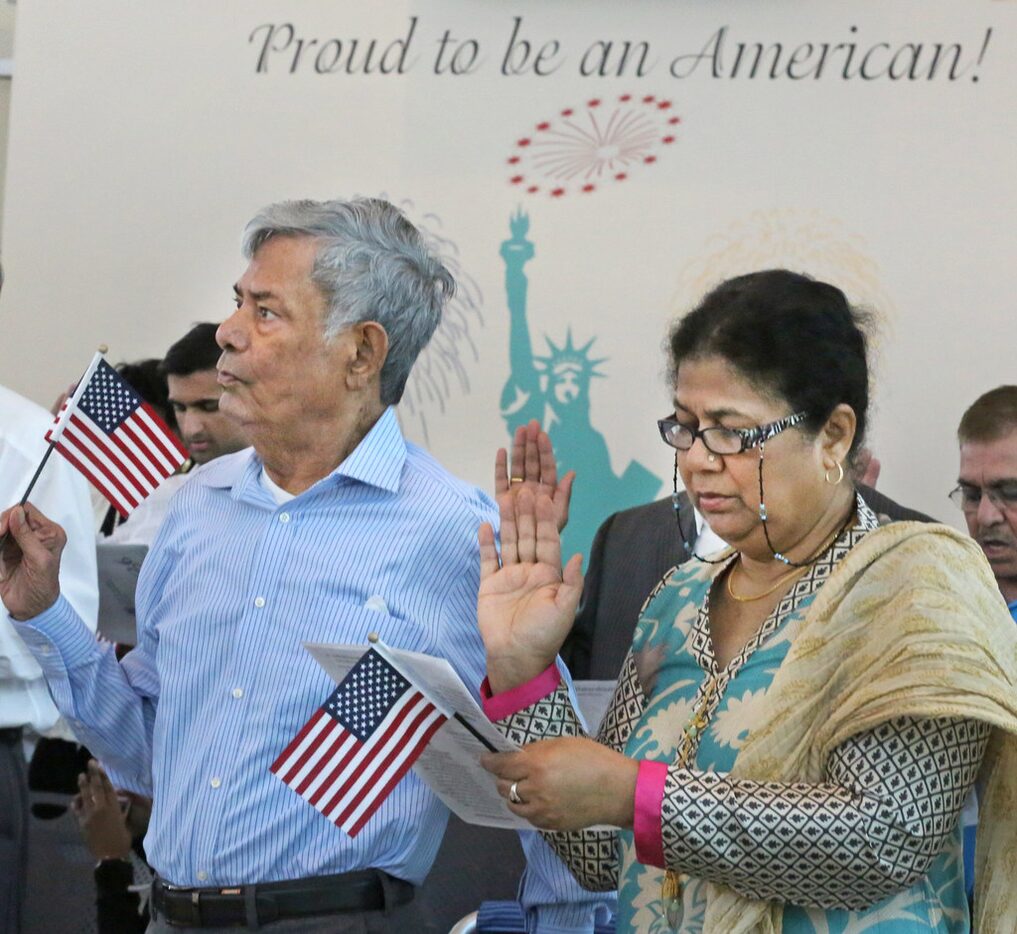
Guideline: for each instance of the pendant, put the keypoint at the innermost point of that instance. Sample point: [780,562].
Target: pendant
[671,889]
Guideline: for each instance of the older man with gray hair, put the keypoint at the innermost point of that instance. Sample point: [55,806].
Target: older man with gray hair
[332,527]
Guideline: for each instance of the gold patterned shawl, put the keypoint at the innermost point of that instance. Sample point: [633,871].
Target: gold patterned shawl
[910,624]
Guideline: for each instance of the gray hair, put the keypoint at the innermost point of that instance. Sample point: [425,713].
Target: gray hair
[372,265]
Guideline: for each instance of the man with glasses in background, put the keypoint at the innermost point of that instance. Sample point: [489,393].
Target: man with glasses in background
[987,483]
[986,492]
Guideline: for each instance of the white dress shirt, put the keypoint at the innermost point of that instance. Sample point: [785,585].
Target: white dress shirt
[141,525]
[62,495]
[707,541]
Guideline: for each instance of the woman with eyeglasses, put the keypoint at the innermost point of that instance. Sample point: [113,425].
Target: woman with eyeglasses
[801,716]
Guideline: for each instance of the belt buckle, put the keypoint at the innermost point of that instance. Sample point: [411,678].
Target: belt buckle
[195,903]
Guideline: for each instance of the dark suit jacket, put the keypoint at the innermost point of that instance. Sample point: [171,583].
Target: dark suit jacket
[632,550]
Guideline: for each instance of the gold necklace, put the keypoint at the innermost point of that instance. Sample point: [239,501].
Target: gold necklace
[759,596]
[673,883]
[786,577]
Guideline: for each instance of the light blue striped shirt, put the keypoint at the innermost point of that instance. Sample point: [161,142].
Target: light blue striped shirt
[219,682]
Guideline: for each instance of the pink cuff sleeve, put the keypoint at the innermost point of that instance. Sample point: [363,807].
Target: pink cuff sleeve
[646,820]
[500,706]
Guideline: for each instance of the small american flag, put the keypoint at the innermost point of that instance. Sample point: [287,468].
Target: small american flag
[348,757]
[110,434]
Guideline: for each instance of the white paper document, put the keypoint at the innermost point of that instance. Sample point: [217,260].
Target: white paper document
[451,762]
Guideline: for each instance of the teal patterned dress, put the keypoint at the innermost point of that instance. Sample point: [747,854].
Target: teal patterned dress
[672,649]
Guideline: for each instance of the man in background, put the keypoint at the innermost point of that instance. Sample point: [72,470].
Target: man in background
[987,483]
[986,492]
[25,704]
[194,394]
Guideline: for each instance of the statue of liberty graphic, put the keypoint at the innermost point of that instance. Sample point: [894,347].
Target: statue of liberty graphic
[555,390]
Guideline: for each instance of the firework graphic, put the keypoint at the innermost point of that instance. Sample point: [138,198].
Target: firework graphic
[442,369]
[591,146]
[801,240]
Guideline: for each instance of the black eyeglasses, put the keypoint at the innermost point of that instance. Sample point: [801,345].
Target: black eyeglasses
[1002,495]
[720,440]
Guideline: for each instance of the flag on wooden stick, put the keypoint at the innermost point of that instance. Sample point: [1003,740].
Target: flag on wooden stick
[350,755]
[115,438]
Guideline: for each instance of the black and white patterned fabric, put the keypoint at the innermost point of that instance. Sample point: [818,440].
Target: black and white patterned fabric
[889,806]
[591,855]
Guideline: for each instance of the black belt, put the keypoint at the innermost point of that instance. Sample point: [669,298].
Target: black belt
[254,905]
[10,735]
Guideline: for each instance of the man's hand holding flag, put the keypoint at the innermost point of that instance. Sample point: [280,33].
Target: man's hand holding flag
[110,435]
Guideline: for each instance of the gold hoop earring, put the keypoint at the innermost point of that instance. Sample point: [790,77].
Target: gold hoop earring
[840,474]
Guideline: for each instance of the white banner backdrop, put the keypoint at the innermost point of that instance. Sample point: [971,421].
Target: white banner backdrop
[640,152]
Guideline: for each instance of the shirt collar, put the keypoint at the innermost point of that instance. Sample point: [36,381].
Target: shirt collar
[379,458]
[377,461]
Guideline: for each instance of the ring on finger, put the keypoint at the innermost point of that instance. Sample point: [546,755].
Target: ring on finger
[514,794]
[516,480]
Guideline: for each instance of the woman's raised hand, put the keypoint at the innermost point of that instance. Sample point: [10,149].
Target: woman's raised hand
[526,604]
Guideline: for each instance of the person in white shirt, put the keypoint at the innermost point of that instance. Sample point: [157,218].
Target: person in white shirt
[25,703]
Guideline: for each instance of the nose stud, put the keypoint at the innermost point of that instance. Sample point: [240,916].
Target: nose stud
[712,458]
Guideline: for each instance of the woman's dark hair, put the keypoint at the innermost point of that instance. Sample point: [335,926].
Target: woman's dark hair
[790,336]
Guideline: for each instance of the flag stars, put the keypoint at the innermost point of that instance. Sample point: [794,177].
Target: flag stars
[366,695]
[108,400]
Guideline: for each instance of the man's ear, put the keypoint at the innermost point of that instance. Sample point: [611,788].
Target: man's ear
[369,342]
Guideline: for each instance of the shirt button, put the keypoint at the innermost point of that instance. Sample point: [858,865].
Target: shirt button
[259,602]
[46,649]
[216,782]
[202,875]
[238,693]
[284,517]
